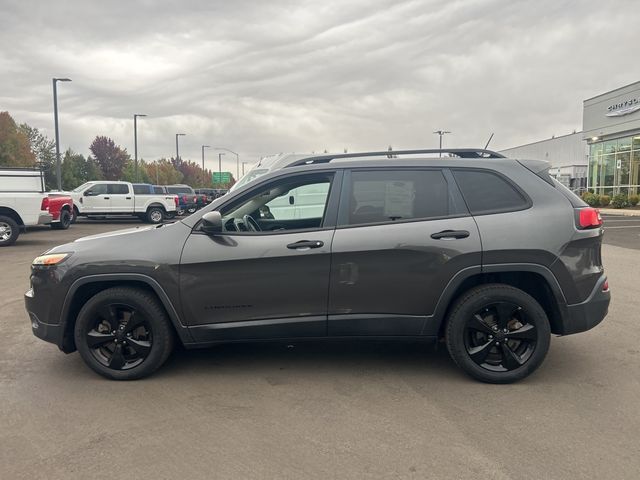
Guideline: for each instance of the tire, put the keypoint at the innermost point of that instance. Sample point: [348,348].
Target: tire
[170,215]
[155,215]
[74,215]
[136,350]
[64,222]
[191,210]
[476,338]
[9,231]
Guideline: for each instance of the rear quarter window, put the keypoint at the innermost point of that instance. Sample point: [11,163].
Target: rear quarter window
[487,192]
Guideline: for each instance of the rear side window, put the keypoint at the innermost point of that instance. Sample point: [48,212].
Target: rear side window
[486,192]
[396,195]
[118,189]
[158,190]
[179,190]
[141,189]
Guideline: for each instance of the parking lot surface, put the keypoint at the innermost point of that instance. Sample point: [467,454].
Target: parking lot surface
[622,231]
[321,410]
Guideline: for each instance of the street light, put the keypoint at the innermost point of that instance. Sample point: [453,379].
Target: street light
[441,133]
[55,118]
[237,159]
[220,166]
[135,138]
[177,150]
[203,172]
[243,164]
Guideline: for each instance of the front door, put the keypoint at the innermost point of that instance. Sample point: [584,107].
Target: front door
[267,274]
[401,237]
[96,199]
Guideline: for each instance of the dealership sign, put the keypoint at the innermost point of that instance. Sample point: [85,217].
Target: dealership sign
[624,108]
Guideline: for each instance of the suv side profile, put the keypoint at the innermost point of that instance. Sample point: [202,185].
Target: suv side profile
[488,254]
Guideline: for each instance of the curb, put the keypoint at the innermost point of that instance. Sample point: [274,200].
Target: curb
[621,211]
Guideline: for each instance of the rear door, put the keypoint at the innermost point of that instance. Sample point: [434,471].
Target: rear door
[121,198]
[401,237]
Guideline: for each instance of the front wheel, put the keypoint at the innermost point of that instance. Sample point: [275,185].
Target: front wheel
[74,215]
[497,333]
[123,333]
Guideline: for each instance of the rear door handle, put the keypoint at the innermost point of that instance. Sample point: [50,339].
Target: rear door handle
[107,198]
[128,198]
[450,234]
[305,245]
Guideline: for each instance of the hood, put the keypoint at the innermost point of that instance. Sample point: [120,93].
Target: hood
[118,233]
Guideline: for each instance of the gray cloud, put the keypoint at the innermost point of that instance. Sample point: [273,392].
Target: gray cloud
[265,77]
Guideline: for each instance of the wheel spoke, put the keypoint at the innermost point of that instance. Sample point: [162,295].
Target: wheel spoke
[477,323]
[97,339]
[134,322]
[117,359]
[110,314]
[141,347]
[479,354]
[510,359]
[504,312]
[527,333]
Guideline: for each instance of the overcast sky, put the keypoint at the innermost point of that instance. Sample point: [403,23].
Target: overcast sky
[263,77]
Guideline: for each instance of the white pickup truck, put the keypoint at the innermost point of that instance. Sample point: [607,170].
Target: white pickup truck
[106,198]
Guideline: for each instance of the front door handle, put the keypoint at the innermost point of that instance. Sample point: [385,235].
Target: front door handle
[128,198]
[305,244]
[450,234]
[107,198]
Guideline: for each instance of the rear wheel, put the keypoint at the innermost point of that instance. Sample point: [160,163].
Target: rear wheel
[155,215]
[497,333]
[64,222]
[9,231]
[123,333]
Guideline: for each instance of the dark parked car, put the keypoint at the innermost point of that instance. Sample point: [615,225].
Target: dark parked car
[187,198]
[489,254]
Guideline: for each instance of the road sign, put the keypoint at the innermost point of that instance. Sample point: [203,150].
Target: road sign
[221,177]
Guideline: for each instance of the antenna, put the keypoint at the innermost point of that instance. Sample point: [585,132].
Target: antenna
[488,141]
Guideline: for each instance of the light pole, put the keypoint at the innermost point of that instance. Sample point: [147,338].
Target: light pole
[220,167]
[55,118]
[243,164]
[177,149]
[237,159]
[203,172]
[135,138]
[441,133]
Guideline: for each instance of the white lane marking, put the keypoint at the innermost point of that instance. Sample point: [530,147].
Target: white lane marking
[626,226]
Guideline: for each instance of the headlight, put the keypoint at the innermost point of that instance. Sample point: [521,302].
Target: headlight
[50,259]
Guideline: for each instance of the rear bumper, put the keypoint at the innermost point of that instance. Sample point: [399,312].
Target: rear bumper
[44,218]
[586,315]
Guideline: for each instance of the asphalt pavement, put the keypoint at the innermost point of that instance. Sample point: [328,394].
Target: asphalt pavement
[622,231]
[321,410]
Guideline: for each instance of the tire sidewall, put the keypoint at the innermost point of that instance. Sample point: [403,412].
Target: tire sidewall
[63,222]
[474,301]
[150,213]
[15,231]
[156,317]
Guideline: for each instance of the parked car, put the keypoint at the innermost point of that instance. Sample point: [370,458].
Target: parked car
[106,198]
[24,203]
[488,254]
[187,198]
[211,194]
[268,164]
[148,189]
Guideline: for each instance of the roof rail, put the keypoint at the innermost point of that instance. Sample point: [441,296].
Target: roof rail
[458,152]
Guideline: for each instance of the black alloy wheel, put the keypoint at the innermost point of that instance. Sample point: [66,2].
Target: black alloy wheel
[123,333]
[497,333]
[64,222]
[120,338]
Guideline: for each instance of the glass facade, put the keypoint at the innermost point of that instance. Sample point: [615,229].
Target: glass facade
[614,166]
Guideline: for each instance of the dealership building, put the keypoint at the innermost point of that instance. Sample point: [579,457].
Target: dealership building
[605,155]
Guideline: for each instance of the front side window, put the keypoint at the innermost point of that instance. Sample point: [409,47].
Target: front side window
[290,204]
[97,189]
[397,195]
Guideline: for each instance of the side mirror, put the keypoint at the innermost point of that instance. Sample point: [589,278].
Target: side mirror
[211,223]
[88,193]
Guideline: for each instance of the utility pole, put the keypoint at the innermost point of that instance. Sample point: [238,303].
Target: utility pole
[135,138]
[55,118]
[177,149]
[441,133]
[220,167]
[203,171]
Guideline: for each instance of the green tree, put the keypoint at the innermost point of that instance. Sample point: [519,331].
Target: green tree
[110,157]
[163,172]
[45,151]
[77,170]
[129,172]
[15,150]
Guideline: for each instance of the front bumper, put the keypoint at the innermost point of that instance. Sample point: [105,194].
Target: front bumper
[586,315]
[48,332]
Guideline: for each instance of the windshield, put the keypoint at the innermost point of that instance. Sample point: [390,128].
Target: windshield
[179,190]
[250,176]
[82,187]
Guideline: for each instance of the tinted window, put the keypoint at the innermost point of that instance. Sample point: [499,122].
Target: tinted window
[141,189]
[118,189]
[158,190]
[487,192]
[392,195]
[179,190]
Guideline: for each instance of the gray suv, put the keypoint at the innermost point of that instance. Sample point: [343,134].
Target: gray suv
[490,255]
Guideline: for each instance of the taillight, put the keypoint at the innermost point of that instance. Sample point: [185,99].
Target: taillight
[184,198]
[45,204]
[175,199]
[195,199]
[605,286]
[589,217]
